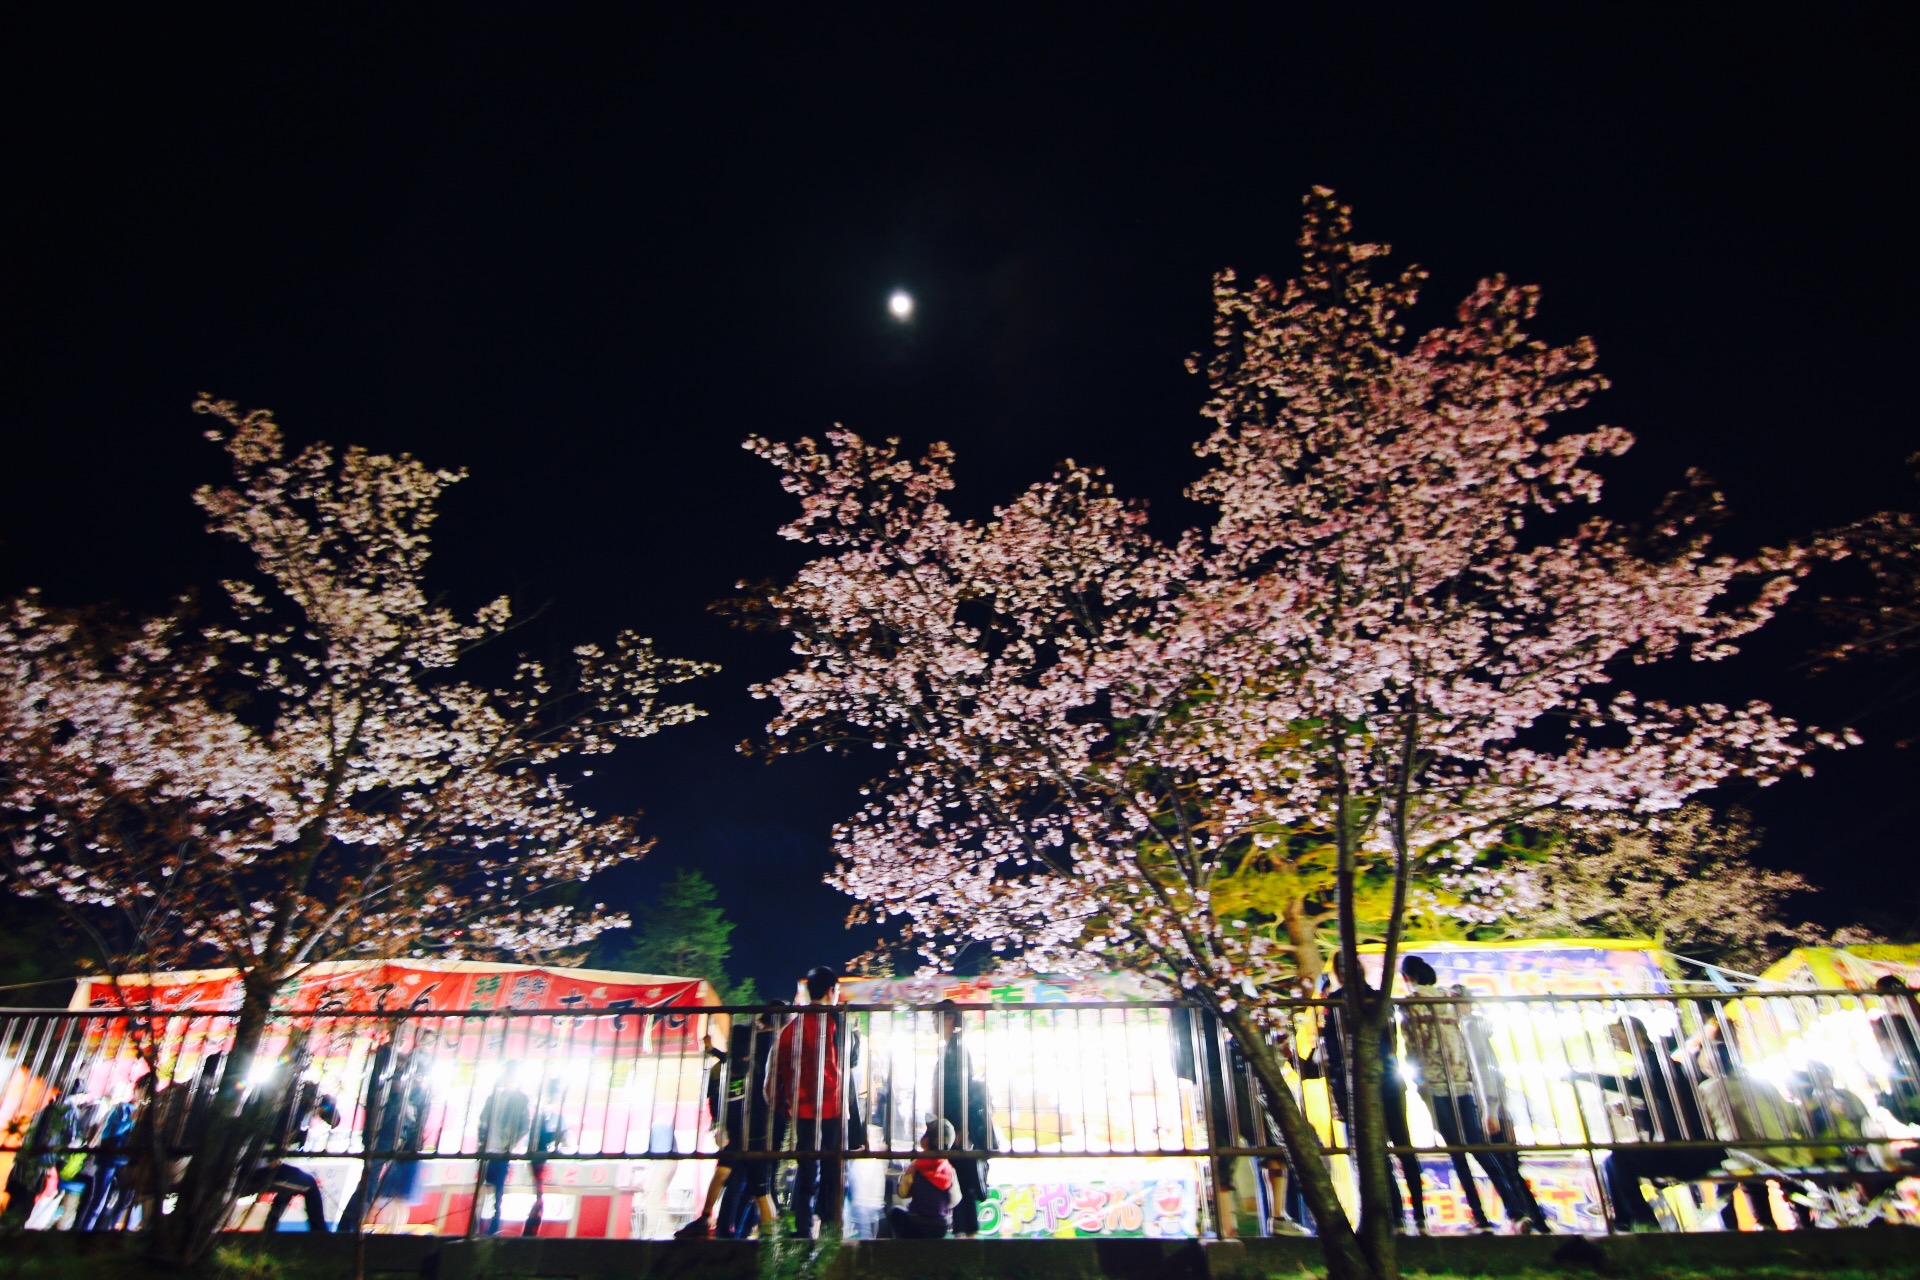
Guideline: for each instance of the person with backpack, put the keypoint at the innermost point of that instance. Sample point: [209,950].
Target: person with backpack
[51,1140]
[281,1182]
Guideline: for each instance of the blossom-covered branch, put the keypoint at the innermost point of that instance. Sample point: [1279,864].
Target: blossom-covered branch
[1402,634]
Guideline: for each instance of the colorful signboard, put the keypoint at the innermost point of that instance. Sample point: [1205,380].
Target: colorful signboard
[1160,1208]
[1537,967]
[1090,988]
[1835,968]
[427,986]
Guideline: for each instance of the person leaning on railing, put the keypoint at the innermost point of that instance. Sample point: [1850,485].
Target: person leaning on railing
[1896,1028]
[1738,1104]
[1665,1109]
[1833,1114]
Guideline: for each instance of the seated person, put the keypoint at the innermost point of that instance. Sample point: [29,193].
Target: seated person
[930,1188]
[1736,1105]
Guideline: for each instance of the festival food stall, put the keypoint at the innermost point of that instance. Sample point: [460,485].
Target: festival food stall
[1105,1082]
[629,1083]
[1112,1082]
[1854,968]
[1546,1050]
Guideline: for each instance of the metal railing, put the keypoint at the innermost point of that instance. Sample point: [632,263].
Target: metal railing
[1110,1117]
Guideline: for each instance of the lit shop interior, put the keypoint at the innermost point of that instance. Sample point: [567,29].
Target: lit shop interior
[1097,1089]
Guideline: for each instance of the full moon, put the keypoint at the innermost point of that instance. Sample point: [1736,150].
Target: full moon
[900,305]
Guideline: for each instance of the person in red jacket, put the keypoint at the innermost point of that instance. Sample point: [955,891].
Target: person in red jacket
[806,1090]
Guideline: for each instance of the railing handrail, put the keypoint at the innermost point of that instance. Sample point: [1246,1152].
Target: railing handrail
[678,1010]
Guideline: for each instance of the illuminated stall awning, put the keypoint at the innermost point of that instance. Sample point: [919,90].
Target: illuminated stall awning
[1856,968]
[426,986]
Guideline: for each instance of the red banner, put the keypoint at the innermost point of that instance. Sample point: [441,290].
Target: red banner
[422,986]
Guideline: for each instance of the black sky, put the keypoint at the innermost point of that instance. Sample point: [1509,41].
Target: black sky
[584,255]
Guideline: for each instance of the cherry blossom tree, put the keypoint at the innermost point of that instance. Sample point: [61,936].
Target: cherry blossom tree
[314,773]
[1685,879]
[1400,637]
[1877,614]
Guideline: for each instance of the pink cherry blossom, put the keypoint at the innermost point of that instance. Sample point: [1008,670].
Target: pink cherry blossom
[1403,633]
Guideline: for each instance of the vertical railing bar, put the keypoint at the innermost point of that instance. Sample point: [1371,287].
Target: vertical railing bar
[1147,1025]
[1664,1064]
[1724,1058]
[597,1064]
[40,1058]
[866,1087]
[1196,1054]
[915,1026]
[681,1044]
[16,1079]
[476,1114]
[1609,1211]
[1228,1098]
[940,1083]
[1776,1101]
[634,1045]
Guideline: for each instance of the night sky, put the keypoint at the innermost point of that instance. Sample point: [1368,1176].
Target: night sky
[584,256]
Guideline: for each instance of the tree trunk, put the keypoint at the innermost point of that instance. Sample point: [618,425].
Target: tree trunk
[234,1138]
[1306,1157]
[1305,940]
[1367,1136]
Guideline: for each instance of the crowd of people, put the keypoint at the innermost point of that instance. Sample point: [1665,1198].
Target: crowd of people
[1692,1112]
[782,1093]
[778,1077]
[1685,1107]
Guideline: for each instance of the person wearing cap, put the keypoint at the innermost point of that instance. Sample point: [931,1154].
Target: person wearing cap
[930,1187]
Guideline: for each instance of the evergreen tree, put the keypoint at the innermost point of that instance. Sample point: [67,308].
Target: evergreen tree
[686,934]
